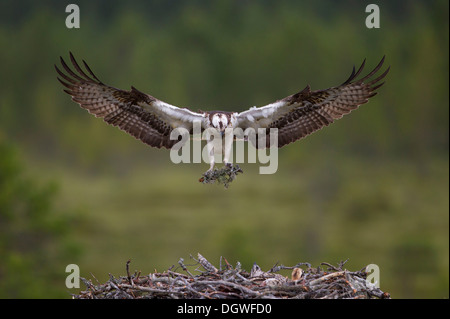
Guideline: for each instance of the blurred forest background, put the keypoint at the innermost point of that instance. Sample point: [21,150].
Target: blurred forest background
[373,187]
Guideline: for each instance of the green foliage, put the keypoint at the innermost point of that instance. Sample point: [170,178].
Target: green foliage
[373,187]
[228,55]
[33,236]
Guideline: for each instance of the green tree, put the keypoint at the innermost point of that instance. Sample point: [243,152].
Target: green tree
[34,239]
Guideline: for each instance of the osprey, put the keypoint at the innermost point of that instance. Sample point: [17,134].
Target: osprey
[152,121]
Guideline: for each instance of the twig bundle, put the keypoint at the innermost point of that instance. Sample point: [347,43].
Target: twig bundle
[224,175]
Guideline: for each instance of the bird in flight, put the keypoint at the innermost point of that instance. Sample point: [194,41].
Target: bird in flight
[152,120]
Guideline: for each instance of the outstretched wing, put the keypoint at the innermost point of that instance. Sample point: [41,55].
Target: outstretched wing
[141,115]
[303,113]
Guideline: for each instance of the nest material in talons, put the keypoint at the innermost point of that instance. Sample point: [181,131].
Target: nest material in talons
[224,175]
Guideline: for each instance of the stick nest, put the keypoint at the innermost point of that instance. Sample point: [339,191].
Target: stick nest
[230,282]
[224,175]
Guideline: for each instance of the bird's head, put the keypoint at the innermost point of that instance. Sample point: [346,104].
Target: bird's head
[220,121]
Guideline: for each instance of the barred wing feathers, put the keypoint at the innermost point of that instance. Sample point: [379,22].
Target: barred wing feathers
[303,113]
[141,115]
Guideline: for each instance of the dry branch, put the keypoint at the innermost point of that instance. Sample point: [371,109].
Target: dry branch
[235,283]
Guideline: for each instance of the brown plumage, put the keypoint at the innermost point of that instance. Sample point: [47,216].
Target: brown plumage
[308,111]
[124,109]
[151,120]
